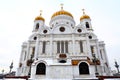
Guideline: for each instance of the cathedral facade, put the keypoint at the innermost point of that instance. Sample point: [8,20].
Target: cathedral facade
[63,50]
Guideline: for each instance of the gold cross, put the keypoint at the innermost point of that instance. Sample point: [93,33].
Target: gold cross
[61,6]
[40,12]
[83,11]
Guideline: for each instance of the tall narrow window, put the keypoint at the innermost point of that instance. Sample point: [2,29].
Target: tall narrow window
[62,46]
[33,50]
[101,54]
[24,55]
[104,69]
[92,49]
[87,25]
[58,47]
[37,26]
[22,70]
[83,68]
[41,69]
[81,46]
[66,46]
[44,45]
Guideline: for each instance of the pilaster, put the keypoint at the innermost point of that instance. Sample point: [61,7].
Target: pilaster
[88,46]
[36,47]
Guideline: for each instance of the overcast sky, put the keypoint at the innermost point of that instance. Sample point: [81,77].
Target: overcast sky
[17,19]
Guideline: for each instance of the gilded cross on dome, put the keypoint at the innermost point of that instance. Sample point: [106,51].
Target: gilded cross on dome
[40,12]
[83,11]
[61,6]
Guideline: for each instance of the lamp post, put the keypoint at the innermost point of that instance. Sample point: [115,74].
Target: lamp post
[95,62]
[3,74]
[3,71]
[11,66]
[117,66]
[30,62]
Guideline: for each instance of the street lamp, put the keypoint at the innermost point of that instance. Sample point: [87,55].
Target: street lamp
[117,66]
[3,74]
[3,71]
[11,66]
[95,62]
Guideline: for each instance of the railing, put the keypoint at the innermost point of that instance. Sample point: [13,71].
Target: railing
[108,77]
[17,77]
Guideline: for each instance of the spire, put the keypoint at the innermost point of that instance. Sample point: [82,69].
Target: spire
[61,6]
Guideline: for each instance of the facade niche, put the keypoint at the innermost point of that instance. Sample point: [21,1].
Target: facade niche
[83,68]
[41,69]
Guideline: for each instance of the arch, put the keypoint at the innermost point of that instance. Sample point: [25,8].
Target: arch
[57,30]
[83,68]
[41,69]
[87,25]
[37,26]
[75,30]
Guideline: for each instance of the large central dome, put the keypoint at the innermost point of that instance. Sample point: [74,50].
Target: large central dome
[62,12]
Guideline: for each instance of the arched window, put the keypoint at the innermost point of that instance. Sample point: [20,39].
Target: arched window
[41,69]
[37,26]
[83,68]
[87,25]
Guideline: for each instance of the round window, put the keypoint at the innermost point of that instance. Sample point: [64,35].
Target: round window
[79,30]
[45,31]
[90,37]
[62,29]
[35,38]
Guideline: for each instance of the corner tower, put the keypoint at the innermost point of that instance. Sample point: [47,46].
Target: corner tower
[85,20]
[38,22]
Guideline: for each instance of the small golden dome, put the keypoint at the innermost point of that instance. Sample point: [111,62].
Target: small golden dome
[84,16]
[40,17]
[62,12]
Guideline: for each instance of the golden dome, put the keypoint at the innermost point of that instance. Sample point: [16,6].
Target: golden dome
[39,18]
[84,16]
[62,12]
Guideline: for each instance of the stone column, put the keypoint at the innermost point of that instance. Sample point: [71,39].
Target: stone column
[51,44]
[73,43]
[28,50]
[97,50]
